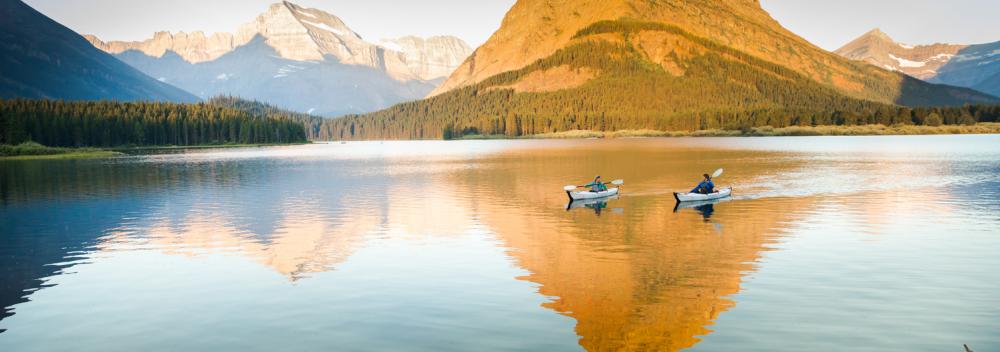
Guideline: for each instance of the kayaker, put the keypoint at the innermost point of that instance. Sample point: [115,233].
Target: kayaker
[705,187]
[597,185]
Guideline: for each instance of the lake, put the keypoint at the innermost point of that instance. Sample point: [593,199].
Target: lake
[829,243]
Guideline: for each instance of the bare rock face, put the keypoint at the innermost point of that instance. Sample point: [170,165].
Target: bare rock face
[305,34]
[430,58]
[531,30]
[535,29]
[877,48]
[194,47]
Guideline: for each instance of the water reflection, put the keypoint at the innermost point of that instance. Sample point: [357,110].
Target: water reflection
[596,205]
[706,207]
[645,280]
[53,213]
[655,276]
[630,282]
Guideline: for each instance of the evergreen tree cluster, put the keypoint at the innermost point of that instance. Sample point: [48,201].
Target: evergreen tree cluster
[60,123]
[310,123]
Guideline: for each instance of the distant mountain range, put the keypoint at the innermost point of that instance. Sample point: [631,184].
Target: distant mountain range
[551,66]
[636,64]
[297,58]
[40,58]
[972,66]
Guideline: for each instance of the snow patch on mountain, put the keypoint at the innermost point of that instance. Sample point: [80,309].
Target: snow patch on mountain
[942,57]
[325,27]
[907,63]
[288,69]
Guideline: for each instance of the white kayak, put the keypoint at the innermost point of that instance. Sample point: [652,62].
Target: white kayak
[591,195]
[694,197]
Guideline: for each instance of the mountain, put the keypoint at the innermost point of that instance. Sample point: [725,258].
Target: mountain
[641,64]
[432,58]
[972,66]
[299,58]
[877,48]
[39,58]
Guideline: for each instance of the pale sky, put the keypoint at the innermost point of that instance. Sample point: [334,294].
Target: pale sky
[832,23]
[472,20]
[828,24]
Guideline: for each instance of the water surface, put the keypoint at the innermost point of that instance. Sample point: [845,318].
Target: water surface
[831,243]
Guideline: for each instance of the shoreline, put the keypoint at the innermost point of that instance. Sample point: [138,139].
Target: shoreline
[99,154]
[767,131]
[203,146]
[56,153]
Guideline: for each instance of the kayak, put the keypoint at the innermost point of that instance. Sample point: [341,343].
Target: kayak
[591,195]
[694,197]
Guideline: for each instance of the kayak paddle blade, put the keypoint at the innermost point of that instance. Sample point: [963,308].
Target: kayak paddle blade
[618,182]
[569,188]
[717,173]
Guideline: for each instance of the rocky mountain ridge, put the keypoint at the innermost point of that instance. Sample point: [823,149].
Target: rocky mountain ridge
[299,59]
[306,34]
[973,66]
[921,61]
[663,65]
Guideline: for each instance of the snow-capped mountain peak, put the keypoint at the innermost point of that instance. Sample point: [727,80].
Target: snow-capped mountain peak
[973,66]
[878,48]
[298,58]
[303,34]
[307,34]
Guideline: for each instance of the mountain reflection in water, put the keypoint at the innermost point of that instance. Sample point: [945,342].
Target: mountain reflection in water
[634,272]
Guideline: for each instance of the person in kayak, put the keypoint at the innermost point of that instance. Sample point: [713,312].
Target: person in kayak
[597,185]
[705,187]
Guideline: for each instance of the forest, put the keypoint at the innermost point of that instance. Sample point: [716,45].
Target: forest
[311,123]
[58,123]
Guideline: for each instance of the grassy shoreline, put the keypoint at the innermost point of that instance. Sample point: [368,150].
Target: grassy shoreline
[35,151]
[203,146]
[68,155]
[32,150]
[767,131]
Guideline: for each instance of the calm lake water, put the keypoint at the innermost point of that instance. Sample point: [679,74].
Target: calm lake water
[830,243]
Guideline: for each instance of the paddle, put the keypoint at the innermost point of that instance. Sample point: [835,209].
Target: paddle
[615,182]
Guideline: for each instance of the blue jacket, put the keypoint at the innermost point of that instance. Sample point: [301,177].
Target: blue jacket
[707,184]
[597,187]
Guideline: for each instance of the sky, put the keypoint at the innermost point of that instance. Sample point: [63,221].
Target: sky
[828,24]
[472,20]
[831,24]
